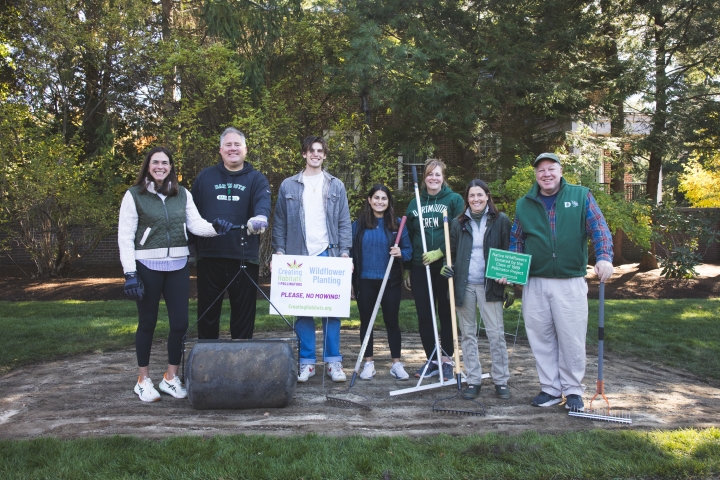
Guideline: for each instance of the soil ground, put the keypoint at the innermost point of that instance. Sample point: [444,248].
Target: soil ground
[91,395]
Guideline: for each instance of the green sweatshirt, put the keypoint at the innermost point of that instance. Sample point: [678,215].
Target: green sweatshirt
[432,213]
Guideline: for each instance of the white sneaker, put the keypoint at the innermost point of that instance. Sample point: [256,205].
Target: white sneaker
[146,391]
[398,371]
[307,370]
[173,387]
[368,371]
[335,371]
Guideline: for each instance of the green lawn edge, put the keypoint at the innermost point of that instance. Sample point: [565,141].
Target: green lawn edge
[687,453]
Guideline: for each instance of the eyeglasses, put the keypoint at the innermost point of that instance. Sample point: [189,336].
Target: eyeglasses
[312,150]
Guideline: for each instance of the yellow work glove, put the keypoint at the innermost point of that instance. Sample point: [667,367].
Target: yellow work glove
[432,256]
[509,296]
[406,279]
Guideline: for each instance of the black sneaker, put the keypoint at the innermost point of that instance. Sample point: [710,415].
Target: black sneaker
[472,391]
[545,400]
[447,370]
[574,403]
[502,391]
[432,370]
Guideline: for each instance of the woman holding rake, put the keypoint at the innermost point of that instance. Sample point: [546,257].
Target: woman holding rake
[373,234]
[435,197]
[472,234]
[155,215]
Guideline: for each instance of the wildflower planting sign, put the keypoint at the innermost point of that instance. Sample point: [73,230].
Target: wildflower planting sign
[310,286]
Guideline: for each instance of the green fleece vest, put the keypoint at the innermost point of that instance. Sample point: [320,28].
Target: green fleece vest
[564,255]
[160,225]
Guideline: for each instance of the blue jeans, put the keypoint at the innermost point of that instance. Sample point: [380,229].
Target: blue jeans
[305,329]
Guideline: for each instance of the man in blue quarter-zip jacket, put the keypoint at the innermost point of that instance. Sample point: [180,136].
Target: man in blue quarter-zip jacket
[553,223]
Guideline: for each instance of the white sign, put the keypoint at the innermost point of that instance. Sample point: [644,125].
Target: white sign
[310,286]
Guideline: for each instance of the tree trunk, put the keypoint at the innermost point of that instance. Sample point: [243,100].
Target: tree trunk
[657,134]
[617,176]
[169,79]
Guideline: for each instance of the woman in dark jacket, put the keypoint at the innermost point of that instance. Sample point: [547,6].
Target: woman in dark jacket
[472,234]
[374,234]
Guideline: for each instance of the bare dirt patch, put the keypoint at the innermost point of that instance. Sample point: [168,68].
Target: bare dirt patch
[91,395]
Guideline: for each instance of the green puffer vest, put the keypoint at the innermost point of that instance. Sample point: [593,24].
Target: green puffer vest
[564,255]
[161,225]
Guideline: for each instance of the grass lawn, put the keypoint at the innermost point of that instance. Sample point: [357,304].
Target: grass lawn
[596,454]
[678,333]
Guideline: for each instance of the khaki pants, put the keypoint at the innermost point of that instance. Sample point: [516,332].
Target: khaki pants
[556,316]
[492,315]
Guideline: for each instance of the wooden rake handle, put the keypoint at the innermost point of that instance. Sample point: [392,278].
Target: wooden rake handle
[451,292]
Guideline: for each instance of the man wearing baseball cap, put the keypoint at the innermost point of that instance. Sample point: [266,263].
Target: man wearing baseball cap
[553,223]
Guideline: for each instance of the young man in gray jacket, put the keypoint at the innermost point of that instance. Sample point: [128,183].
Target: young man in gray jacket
[312,218]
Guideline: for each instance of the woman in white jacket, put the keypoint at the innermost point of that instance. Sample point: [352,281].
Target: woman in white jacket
[155,216]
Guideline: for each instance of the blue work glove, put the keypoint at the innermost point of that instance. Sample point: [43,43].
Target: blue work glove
[509,296]
[257,225]
[134,287]
[221,226]
[447,271]
[432,256]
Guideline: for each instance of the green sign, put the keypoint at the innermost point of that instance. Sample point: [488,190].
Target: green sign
[513,266]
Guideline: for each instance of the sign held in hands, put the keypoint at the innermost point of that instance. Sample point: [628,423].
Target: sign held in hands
[515,267]
[311,286]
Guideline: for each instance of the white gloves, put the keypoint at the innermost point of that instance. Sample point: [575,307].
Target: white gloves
[257,225]
[604,270]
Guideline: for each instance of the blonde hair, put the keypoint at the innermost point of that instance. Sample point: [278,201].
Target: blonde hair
[431,165]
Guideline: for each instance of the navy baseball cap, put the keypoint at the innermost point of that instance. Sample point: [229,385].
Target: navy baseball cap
[546,156]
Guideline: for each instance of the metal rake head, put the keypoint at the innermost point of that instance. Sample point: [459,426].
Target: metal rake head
[456,411]
[334,398]
[603,414]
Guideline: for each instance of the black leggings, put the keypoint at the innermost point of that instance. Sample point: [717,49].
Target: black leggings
[419,284]
[175,289]
[366,298]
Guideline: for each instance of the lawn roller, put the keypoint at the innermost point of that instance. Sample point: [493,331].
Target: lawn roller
[444,405]
[239,374]
[602,413]
[332,396]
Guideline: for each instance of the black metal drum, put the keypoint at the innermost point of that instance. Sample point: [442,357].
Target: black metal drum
[258,373]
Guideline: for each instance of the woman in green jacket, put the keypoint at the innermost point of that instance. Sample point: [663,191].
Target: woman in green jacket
[472,234]
[435,197]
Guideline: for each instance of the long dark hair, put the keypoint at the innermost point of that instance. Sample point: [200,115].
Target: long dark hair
[169,186]
[492,209]
[367,219]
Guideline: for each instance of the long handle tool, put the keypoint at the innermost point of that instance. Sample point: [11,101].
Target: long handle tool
[601,413]
[444,405]
[366,340]
[438,348]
